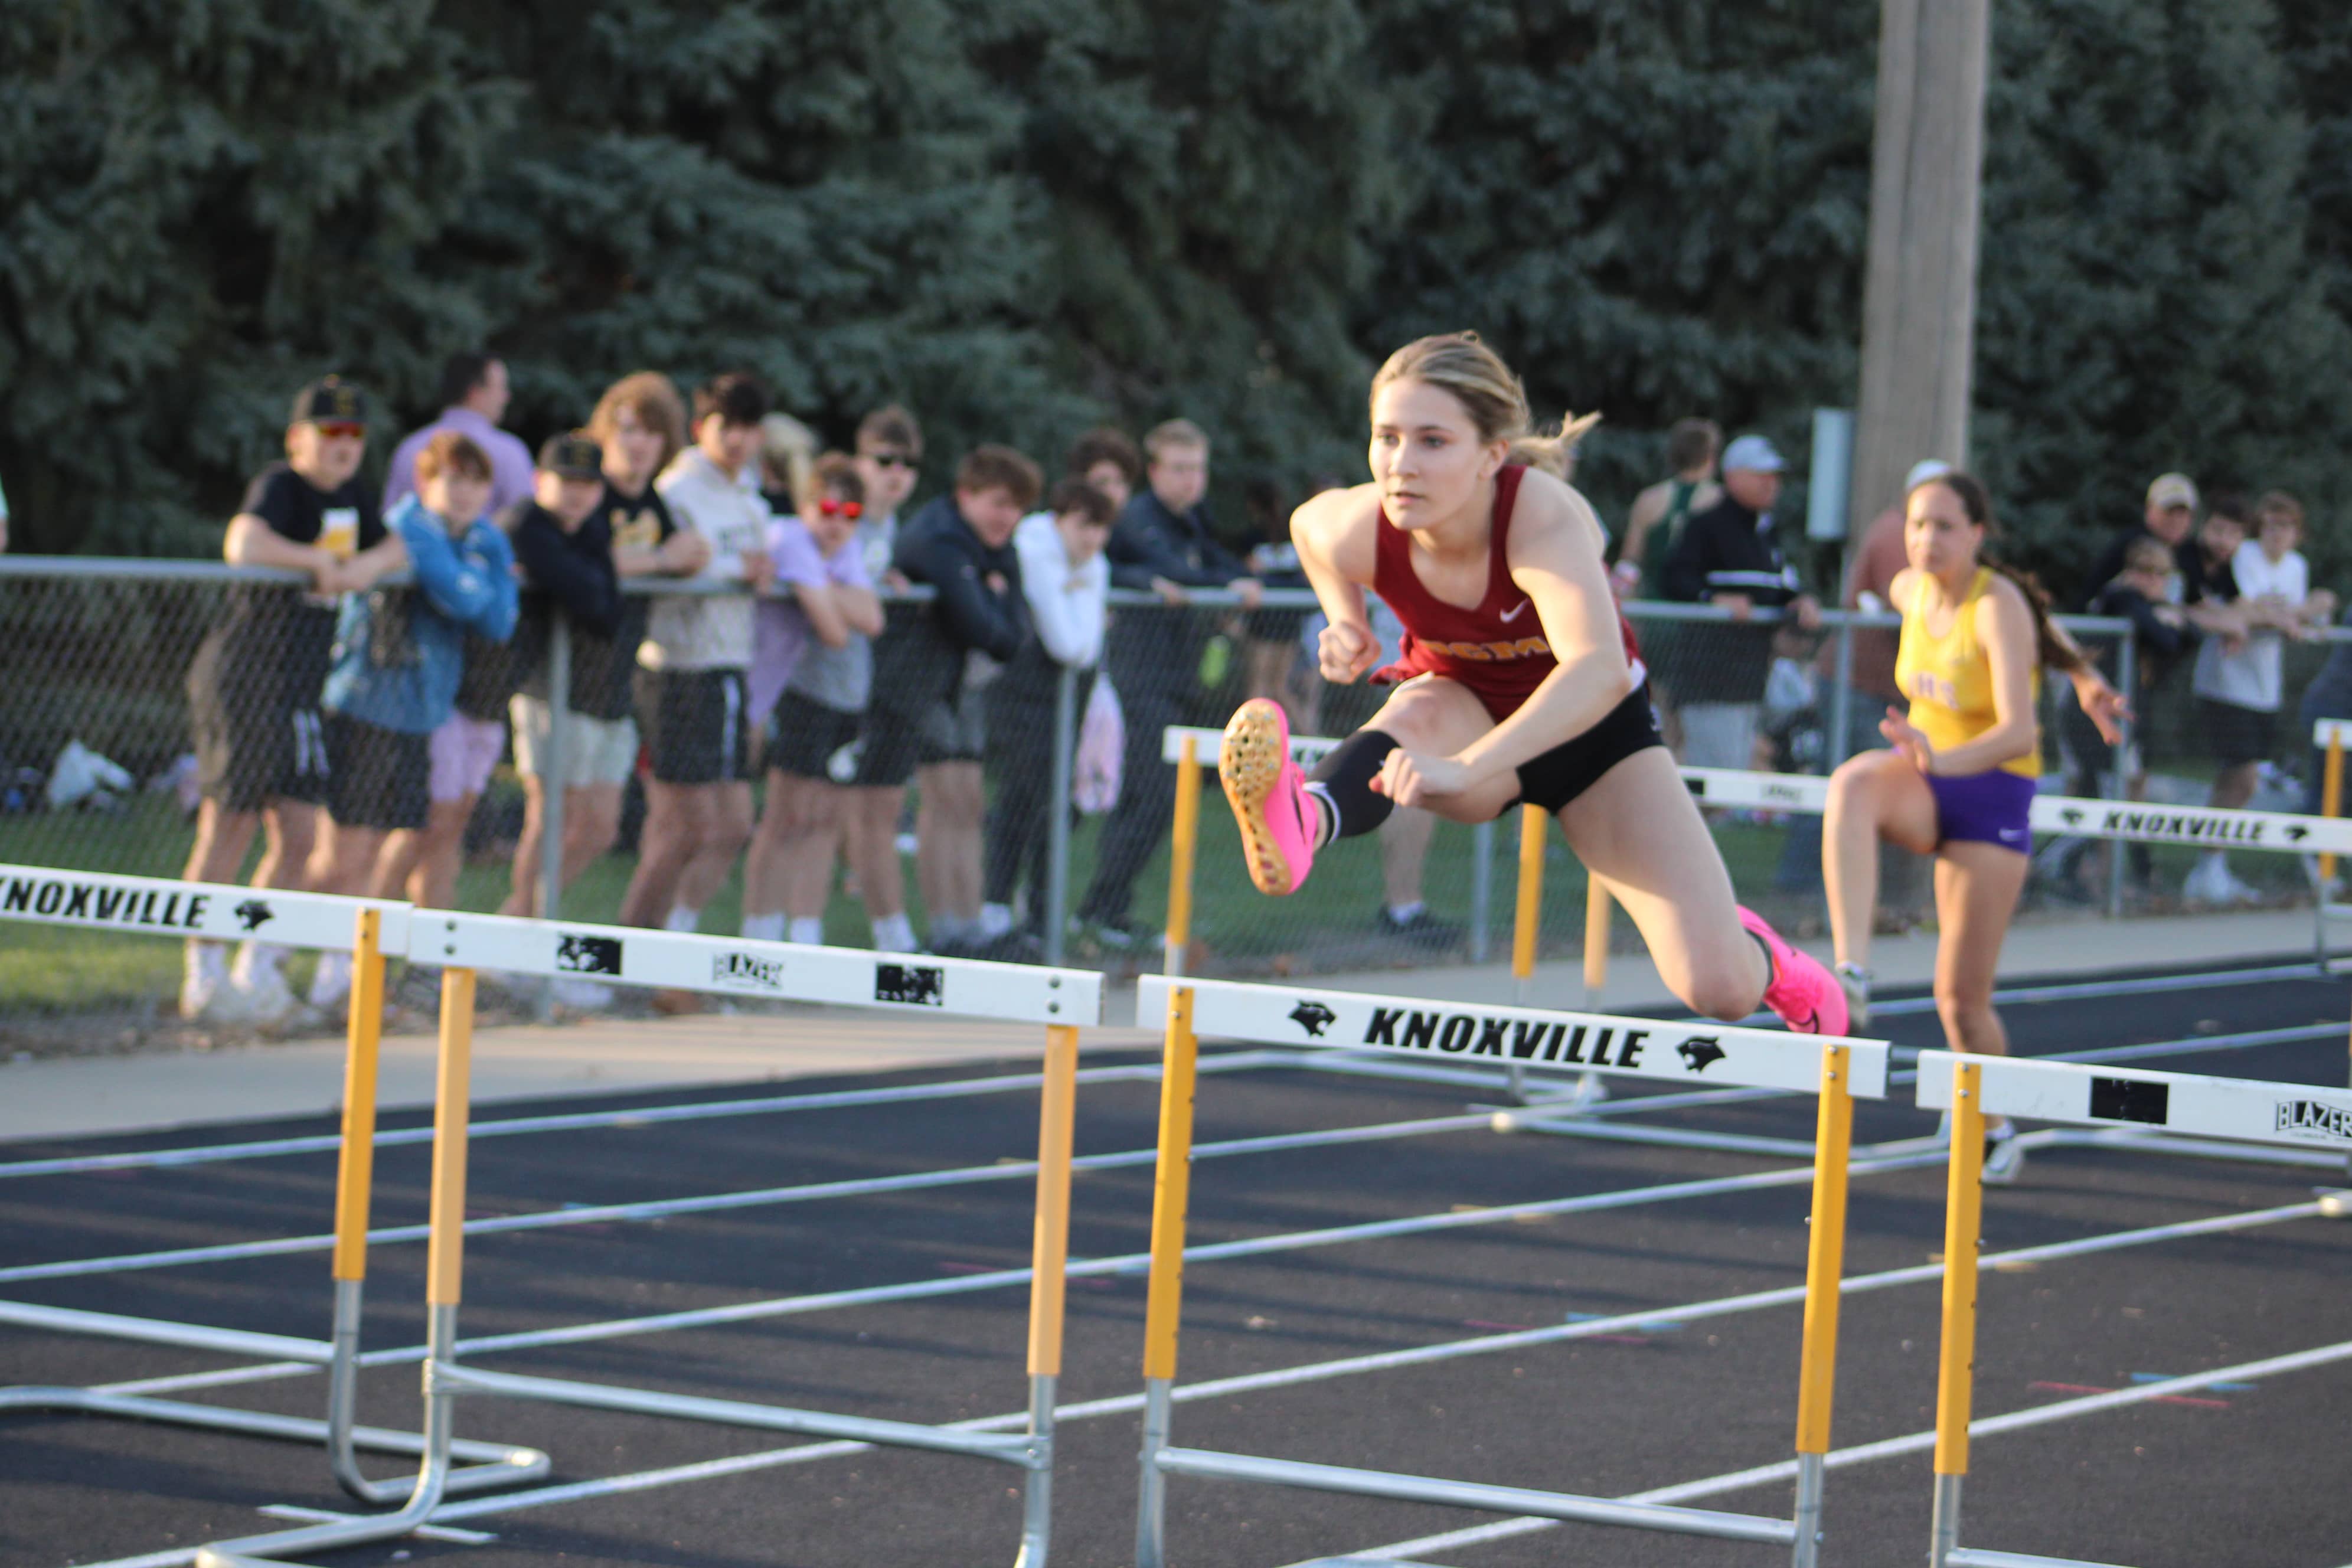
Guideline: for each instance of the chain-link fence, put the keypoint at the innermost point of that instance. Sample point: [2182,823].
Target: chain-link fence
[118,679]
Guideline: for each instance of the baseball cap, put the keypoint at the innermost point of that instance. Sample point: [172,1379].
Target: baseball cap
[572,456]
[1752,452]
[329,400]
[1922,470]
[2168,491]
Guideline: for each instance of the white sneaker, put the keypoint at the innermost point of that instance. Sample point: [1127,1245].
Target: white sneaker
[581,995]
[263,995]
[1854,981]
[2233,890]
[2004,1158]
[207,993]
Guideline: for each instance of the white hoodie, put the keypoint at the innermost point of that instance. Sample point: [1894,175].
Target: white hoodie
[1066,602]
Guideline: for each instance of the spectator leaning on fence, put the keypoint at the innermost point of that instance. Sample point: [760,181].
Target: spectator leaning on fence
[1065,579]
[889,458]
[1162,545]
[639,425]
[563,540]
[399,655]
[1726,557]
[2239,688]
[831,605]
[255,682]
[1655,522]
[474,397]
[2159,633]
[826,662]
[691,699]
[959,546]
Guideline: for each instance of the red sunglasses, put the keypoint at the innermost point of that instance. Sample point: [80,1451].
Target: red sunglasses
[829,507]
[332,431]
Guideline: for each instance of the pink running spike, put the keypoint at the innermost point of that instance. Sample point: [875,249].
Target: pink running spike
[1268,794]
[1803,992]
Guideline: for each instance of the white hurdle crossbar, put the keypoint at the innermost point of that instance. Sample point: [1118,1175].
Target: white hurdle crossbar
[2205,827]
[2185,1104]
[1838,1070]
[913,984]
[366,929]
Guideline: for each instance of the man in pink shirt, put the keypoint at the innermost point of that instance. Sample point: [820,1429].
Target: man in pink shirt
[474,395]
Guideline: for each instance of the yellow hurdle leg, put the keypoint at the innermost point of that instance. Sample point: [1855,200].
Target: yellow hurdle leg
[1955,1367]
[356,1175]
[1824,1271]
[1185,848]
[1528,921]
[2331,799]
[1052,1253]
[1597,906]
[1164,1306]
[445,1256]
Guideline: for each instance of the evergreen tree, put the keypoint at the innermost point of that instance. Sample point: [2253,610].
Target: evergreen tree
[210,201]
[2146,300]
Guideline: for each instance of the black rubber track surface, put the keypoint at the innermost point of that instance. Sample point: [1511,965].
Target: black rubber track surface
[2249,1478]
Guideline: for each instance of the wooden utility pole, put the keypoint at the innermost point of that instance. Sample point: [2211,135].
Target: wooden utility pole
[1919,295]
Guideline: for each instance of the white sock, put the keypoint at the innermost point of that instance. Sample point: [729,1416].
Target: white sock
[808,930]
[683,920]
[894,934]
[207,960]
[763,928]
[1401,913]
[995,920]
[1326,813]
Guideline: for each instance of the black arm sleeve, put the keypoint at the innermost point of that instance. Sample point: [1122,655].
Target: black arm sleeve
[1140,550]
[969,615]
[586,585]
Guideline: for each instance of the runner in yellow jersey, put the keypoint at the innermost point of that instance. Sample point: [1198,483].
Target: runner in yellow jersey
[1960,779]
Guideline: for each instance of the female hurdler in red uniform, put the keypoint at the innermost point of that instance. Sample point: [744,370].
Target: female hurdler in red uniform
[1518,683]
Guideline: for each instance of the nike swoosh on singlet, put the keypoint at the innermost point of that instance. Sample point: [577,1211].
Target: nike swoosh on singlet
[1514,609]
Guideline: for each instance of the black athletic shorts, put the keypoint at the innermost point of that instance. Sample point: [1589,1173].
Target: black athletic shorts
[955,730]
[255,741]
[2234,735]
[809,735]
[694,724]
[382,778]
[1569,769]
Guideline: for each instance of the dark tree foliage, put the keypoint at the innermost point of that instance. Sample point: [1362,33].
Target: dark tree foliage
[1024,216]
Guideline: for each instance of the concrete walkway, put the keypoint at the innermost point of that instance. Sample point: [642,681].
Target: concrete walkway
[76,1097]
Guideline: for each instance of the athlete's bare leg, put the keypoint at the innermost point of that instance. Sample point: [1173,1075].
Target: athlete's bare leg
[1977,886]
[1437,715]
[1637,829]
[1872,797]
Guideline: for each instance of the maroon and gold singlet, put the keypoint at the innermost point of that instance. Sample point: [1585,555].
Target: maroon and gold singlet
[1496,649]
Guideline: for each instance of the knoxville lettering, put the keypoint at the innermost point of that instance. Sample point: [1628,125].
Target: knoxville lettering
[57,898]
[1517,1039]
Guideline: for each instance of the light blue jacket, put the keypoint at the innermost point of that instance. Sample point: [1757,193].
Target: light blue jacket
[399,652]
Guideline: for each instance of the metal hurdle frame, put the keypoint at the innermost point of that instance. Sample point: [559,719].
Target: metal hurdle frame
[365,929]
[2186,1104]
[1838,1070]
[917,985]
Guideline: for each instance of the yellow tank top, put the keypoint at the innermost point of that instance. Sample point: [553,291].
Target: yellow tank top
[1949,679]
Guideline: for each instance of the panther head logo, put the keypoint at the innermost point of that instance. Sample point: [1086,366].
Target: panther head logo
[1700,1053]
[1314,1018]
[253,914]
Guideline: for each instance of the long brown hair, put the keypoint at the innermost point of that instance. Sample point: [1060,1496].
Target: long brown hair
[2051,645]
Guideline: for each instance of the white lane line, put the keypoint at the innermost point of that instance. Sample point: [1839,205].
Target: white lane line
[1887,1448]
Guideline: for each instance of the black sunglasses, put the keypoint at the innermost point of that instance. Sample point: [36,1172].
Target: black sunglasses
[893,460]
